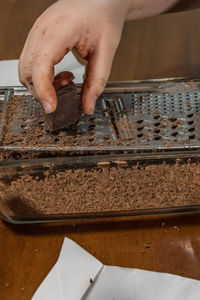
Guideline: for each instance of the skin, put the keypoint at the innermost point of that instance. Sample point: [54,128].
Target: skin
[94,29]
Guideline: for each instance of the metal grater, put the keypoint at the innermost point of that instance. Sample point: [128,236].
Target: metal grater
[129,116]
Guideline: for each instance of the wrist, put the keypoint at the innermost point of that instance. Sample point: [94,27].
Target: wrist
[146,8]
[123,7]
[118,8]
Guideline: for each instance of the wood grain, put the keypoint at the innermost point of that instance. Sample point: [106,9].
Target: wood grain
[28,252]
[17,18]
[159,47]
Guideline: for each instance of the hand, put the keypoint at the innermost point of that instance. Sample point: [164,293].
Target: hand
[92,27]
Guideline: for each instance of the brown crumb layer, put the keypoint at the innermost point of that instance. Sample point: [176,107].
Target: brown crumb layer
[106,189]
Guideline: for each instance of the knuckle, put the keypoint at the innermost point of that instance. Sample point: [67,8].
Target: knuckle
[97,83]
[38,59]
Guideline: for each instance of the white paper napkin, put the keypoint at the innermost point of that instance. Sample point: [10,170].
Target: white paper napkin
[78,275]
[9,73]
[71,276]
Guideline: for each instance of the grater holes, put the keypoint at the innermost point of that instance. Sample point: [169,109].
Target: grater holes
[140,135]
[174,127]
[92,120]
[172,102]
[192,137]
[140,99]
[181,108]
[156,130]
[196,100]
[164,105]
[164,109]
[91,139]
[156,117]
[148,100]
[174,134]
[132,101]
[191,129]
[140,128]
[91,126]
[157,138]
[190,115]
[172,119]
[140,121]
[91,129]
[149,111]
[157,124]
[190,122]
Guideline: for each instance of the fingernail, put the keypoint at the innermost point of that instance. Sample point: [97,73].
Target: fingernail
[47,106]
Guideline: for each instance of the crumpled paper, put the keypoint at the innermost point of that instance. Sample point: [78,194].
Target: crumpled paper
[9,70]
[78,275]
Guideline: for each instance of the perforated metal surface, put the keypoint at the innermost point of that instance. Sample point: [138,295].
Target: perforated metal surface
[156,120]
[129,116]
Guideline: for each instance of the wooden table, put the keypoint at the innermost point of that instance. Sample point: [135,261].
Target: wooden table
[165,46]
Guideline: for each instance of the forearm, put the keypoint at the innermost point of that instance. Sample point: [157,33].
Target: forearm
[137,9]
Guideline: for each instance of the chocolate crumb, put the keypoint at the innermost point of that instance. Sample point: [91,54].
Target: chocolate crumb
[176,228]
[147,244]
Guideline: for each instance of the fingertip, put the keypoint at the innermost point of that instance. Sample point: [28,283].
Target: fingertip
[44,88]
[89,103]
[92,89]
[88,111]
[48,107]
[20,76]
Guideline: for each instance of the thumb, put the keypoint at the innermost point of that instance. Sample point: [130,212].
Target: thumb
[97,73]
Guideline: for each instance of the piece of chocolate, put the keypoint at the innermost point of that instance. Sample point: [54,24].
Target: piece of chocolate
[67,111]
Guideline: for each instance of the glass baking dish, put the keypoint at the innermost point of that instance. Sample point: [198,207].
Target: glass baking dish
[22,187]
[137,155]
